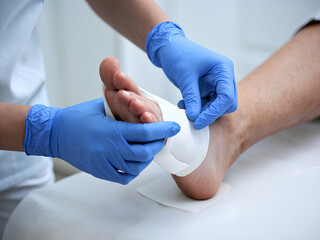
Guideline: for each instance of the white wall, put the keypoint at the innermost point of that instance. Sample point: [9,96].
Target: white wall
[75,40]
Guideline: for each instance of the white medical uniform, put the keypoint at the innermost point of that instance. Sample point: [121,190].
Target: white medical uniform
[22,79]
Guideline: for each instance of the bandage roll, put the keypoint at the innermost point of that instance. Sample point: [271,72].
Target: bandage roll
[184,152]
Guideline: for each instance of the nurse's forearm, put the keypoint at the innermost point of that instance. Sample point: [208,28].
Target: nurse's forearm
[12,126]
[132,18]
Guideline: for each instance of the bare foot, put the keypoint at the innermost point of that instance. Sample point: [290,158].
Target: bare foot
[204,182]
[127,103]
[124,97]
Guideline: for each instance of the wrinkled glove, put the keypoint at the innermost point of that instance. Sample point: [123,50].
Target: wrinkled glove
[205,78]
[84,137]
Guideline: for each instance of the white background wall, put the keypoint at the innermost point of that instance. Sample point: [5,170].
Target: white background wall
[75,41]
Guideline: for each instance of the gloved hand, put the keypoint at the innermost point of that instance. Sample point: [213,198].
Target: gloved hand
[83,136]
[205,78]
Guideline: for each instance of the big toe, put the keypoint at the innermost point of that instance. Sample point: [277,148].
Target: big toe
[108,67]
[123,81]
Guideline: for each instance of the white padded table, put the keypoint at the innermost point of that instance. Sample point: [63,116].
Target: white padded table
[275,195]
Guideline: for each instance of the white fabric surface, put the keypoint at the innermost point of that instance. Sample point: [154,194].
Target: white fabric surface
[165,191]
[10,198]
[314,17]
[275,195]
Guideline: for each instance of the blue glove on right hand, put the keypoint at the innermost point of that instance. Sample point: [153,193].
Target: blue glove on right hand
[83,136]
[205,78]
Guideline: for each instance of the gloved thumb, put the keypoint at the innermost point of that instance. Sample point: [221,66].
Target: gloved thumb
[191,97]
[149,132]
[181,104]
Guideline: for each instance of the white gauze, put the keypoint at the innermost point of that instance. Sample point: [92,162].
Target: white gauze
[184,152]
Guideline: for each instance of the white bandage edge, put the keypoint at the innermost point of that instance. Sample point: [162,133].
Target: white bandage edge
[184,152]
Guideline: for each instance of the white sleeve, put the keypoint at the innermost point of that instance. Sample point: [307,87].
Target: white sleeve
[315,17]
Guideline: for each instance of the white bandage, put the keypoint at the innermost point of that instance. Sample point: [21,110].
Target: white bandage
[184,152]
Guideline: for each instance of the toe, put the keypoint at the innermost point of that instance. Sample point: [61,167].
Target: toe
[148,117]
[137,106]
[120,109]
[133,101]
[125,97]
[108,68]
[123,81]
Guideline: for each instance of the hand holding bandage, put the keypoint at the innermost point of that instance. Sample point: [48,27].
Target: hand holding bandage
[205,78]
[196,158]
[93,143]
[185,152]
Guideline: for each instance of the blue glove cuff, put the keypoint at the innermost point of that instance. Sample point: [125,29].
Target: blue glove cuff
[38,130]
[160,36]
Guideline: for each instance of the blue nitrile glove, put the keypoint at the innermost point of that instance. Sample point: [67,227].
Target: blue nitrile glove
[83,136]
[205,78]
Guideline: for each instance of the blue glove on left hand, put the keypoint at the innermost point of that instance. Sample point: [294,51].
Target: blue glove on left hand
[83,136]
[205,78]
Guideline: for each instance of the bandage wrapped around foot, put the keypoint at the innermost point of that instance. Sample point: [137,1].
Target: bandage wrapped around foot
[184,152]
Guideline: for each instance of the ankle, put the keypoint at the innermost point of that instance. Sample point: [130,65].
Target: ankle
[236,128]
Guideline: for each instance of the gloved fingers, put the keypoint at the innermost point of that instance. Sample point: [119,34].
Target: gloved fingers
[107,171]
[120,164]
[111,165]
[205,118]
[181,104]
[191,96]
[224,100]
[227,93]
[149,132]
[126,178]
[208,116]
[91,107]
[232,108]
[226,85]
[204,103]
[100,105]
[135,168]
[117,174]
[234,104]
[144,152]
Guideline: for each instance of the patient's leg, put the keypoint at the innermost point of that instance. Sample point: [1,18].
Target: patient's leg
[281,93]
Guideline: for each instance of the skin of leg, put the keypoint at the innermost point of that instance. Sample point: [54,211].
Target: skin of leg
[279,94]
[285,91]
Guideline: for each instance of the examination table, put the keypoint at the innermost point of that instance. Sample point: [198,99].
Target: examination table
[275,194]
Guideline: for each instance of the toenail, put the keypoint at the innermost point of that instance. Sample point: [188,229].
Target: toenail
[122,74]
[125,92]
